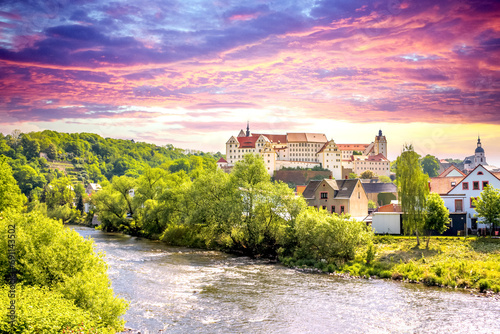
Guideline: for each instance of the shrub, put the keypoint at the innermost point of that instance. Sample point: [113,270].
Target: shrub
[484,284]
[59,259]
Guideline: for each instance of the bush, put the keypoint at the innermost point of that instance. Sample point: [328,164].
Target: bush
[60,260]
[484,285]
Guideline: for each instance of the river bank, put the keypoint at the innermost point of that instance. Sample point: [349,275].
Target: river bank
[472,264]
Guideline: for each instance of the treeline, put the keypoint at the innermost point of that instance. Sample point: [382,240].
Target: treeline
[243,212]
[91,159]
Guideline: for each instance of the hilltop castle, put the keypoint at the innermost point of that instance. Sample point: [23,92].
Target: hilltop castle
[309,150]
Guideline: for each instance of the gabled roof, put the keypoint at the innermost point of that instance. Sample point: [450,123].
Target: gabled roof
[221,160]
[346,187]
[311,189]
[378,157]
[306,137]
[328,143]
[442,185]
[472,174]
[379,187]
[274,138]
[247,142]
[449,170]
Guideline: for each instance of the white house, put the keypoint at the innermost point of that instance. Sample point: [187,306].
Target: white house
[459,199]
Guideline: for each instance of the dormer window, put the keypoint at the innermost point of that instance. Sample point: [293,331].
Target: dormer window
[479,173]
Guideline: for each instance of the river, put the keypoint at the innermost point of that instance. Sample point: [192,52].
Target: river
[183,290]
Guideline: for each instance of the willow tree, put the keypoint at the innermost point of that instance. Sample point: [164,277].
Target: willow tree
[412,190]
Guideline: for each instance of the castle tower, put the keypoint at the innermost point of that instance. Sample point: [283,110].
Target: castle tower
[479,157]
[380,144]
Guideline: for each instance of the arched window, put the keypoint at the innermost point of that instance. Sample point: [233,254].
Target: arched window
[479,173]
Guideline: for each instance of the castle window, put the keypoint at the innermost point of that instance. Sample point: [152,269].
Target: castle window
[475,185]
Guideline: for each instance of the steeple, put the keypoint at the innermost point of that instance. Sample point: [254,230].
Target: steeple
[248,129]
[380,133]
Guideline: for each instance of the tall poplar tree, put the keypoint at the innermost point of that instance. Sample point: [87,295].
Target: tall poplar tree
[412,190]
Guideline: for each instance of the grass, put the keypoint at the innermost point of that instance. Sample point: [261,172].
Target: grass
[473,263]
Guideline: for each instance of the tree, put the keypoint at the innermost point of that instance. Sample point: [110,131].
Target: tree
[353,175]
[488,206]
[372,204]
[384,179]
[10,194]
[59,192]
[412,191]
[437,216]
[28,179]
[430,165]
[367,174]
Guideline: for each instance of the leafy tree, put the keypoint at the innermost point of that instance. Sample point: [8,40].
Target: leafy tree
[330,237]
[384,179]
[437,216]
[31,147]
[430,165]
[59,259]
[412,191]
[10,194]
[488,206]
[59,192]
[29,179]
[367,174]
[372,204]
[353,175]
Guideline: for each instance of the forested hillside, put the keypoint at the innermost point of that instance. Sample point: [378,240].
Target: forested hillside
[86,157]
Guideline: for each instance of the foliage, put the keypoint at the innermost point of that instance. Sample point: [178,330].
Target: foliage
[41,310]
[488,206]
[325,236]
[384,179]
[372,204]
[353,176]
[430,165]
[10,194]
[59,259]
[367,174]
[437,216]
[59,192]
[412,191]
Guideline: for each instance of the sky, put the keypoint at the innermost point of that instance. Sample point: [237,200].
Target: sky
[192,73]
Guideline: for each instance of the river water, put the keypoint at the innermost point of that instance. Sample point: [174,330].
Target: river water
[182,290]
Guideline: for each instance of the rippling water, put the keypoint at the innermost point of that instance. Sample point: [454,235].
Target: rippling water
[181,290]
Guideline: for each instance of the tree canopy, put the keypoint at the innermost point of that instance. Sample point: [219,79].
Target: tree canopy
[488,206]
[412,191]
[430,165]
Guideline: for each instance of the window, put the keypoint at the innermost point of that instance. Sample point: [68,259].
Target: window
[475,185]
[342,210]
[479,173]
[324,207]
[458,205]
[465,185]
[324,195]
[333,208]
[472,202]
[485,183]
[453,184]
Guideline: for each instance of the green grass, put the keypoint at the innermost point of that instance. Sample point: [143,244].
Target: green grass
[473,263]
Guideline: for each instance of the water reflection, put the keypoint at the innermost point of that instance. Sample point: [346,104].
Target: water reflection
[182,290]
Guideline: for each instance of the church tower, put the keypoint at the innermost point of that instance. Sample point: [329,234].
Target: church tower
[479,157]
[380,144]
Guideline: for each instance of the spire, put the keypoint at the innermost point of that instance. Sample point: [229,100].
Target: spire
[248,129]
[380,133]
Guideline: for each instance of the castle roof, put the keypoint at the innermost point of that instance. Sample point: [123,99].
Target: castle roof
[306,137]
[247,142]
[352,147]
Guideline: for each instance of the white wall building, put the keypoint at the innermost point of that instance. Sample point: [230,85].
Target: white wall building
[459,199]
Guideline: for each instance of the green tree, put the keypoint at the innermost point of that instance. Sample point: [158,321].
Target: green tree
[430,165]
[437,216]
[28,179]
[384,179]
[59,259]
[372,204]
[59,192]
[353,175]
[412,191]
[367,174]
[488,206]
[10,194]
[31,147]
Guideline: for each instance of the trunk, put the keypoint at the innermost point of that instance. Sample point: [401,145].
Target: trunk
[418,240]
[428,239]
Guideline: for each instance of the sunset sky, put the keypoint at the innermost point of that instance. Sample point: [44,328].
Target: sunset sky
[192,73]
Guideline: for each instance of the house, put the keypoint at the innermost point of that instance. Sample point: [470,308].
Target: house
[379,192]
[378,164]
[338,196]
[459,200]
[446,181]
[92,188]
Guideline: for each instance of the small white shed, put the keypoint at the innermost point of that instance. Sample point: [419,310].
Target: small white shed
[387,222]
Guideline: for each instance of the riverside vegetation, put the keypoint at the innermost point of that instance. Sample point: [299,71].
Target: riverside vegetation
[188,201]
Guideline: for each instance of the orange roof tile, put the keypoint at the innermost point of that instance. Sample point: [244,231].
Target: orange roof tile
[442,185]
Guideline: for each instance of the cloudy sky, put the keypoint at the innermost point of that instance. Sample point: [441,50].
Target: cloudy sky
[193,72]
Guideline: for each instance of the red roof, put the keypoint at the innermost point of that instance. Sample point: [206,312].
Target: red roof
[378,157]
[247,142]
[352,147]
[221,160]
[449,170]
[273,138]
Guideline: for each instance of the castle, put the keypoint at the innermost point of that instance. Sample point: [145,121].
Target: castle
[309,150]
